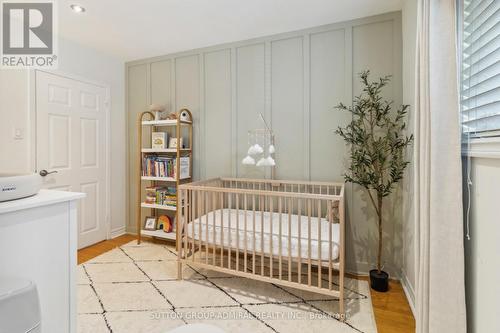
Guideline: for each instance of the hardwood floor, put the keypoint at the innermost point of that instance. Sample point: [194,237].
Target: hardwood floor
[95,250]
[392,312]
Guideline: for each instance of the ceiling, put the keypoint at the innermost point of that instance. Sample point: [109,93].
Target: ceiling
[135,29]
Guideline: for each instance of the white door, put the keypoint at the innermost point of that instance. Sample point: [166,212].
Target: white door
[71,139]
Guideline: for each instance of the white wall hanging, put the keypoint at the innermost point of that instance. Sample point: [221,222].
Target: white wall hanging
[260,147]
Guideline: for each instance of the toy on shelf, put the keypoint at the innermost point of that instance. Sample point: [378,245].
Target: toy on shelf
[172,116]
[165,223]
[157,110]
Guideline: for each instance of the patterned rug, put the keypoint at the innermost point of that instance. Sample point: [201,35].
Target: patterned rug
[133,289]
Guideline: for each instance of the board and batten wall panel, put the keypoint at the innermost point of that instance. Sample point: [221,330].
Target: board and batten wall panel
[295,80]
[218,146]
[329,86]
[161,88]
[287,104]
[250,100]
[187,95]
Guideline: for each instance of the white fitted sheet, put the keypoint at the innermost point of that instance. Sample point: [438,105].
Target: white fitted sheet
[230,226]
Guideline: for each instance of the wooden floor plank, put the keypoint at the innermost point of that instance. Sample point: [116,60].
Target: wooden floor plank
[95,250]
[391,309]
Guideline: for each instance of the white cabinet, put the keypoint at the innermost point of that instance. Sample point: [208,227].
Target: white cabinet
[38,242]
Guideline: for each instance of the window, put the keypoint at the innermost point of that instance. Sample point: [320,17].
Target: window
[479,33]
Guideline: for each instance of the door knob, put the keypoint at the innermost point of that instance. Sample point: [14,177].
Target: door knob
[44,172]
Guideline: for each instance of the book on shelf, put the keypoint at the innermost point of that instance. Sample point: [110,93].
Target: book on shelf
[161,195]
[184,167]
[158,140]
[160,166]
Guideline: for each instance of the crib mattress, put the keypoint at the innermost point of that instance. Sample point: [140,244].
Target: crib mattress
[227,227]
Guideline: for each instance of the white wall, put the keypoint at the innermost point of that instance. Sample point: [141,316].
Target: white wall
[15,155]
[74,59]
[482,252]
[295,79]
[408,269]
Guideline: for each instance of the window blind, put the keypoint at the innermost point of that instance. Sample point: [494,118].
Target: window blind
[480,66]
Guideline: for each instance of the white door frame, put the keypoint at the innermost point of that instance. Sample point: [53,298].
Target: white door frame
[107,108]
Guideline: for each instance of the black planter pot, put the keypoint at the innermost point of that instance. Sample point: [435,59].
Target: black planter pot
[379,281]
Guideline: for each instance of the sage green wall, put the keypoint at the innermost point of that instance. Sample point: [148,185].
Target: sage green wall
[295,79]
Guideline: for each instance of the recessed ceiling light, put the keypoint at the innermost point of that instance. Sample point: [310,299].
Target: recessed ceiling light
[77,8]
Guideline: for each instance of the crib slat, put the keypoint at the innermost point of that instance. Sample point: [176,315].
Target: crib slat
[330,221]
[319,243]
[214,241]
[261,206]
[200,207]
[271,211]
[309,241]
[206,197]
[280,265]
[253,232]
[237,232]
[299,232]
[193,197]
[229,236]
[187,220]
[290,205]
[245,203]
[179,235]
[222,230]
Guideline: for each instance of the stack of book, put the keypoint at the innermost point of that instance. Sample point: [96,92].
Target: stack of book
[156,166]
[160,166]
[161,195]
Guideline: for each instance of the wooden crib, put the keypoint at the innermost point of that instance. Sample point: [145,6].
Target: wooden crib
[289,233]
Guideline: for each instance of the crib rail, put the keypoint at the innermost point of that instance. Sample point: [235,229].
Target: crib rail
[289,186]
[270,230]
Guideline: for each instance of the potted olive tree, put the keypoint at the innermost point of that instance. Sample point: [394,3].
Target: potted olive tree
[377,156]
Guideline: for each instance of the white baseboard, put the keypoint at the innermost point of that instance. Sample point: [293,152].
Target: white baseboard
[409,292]
[118,232]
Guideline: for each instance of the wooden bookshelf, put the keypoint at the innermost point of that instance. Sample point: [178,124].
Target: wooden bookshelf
[158,206]
[182,129]
[166,122]
[160,234]
[163,179]
[164,150]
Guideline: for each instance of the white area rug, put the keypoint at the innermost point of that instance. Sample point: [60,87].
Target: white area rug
[133,289]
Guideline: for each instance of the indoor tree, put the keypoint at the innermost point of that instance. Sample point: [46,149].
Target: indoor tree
[376,136]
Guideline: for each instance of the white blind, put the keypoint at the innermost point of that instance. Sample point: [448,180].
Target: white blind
[480,71]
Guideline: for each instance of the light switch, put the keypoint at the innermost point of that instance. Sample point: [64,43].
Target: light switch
[18,134]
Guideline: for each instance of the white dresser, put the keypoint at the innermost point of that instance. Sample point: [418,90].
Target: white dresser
[38,242]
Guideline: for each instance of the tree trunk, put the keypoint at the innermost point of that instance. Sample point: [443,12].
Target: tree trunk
[379,256]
